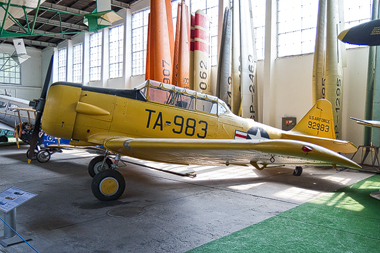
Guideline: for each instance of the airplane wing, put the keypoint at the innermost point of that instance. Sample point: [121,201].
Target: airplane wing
[6,127]
[370,123]
[363,34]
[226,151]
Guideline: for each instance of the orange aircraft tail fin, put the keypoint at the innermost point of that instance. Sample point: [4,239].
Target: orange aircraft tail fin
[160,49]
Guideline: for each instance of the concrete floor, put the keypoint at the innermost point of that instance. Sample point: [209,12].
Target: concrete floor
[159,212]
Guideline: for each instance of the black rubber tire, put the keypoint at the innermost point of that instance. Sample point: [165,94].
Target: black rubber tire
[93,166]
[34,155]
[108,185]
[297,171]
[43,156]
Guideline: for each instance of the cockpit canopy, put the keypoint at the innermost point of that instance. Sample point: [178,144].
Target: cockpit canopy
[180,97]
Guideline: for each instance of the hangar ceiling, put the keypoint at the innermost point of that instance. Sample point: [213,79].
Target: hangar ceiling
[62,17]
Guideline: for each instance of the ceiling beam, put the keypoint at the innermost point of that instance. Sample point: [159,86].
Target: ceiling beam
[119,4]
[57,7]
[31,42]
[39,33]
[56,23]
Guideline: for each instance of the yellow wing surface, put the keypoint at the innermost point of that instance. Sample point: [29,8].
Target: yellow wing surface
[222,151]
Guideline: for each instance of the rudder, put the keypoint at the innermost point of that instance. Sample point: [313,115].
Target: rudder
[318,121]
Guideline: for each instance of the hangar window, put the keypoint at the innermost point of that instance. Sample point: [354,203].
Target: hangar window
[77,63]
[297,20]
[296,26]
[139,40]
[258,12]
[10,71]
[96,56]
[62,64]
[116,40]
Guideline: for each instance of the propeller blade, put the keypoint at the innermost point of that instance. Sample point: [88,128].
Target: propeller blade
[39,108]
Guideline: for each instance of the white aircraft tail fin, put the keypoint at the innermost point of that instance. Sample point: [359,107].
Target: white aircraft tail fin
[20,54]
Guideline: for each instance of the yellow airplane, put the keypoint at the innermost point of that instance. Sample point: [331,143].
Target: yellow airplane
[161,122]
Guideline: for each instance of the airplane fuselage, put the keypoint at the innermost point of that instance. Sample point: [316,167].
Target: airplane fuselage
[165,123]
[152,111]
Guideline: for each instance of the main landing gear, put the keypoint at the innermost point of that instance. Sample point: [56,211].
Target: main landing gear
[107,183]
[297,171]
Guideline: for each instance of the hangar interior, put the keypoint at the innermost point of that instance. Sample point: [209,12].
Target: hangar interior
[284,82]
[223,209]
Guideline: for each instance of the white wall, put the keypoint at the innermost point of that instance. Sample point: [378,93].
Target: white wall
[30,75]
[292,94]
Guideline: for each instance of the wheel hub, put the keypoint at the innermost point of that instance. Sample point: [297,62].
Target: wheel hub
[108,186]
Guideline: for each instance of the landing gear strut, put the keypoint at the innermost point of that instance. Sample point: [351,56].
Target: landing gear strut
[34,153]
[98,164]
[297,171]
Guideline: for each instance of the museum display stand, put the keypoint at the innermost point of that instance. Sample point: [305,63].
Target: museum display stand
[10,199]
[369,152]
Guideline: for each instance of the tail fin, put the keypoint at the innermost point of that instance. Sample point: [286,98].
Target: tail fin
[318,121]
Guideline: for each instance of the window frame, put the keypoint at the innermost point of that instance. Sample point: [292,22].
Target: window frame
[11,71]
[116,46]
[138,64]
[95,71]
[62,64]
[78,63]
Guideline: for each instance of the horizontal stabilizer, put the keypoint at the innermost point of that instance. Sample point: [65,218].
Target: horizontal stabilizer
[333,144]
[369,123]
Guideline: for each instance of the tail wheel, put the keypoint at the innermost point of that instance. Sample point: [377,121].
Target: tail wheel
[95,166]
[43,156]
[297,171]
[108,185]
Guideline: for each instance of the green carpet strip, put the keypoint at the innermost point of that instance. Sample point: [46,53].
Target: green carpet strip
[344,221]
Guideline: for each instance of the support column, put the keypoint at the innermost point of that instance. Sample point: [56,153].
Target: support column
[269,98]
